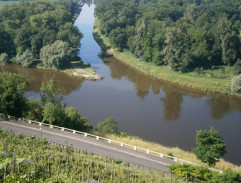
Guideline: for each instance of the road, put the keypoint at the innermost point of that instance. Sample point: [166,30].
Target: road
[90,144]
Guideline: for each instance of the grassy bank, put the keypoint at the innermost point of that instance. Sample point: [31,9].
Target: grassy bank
[217,80]
[173,151]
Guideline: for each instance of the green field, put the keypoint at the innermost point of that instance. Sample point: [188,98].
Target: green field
[4,3]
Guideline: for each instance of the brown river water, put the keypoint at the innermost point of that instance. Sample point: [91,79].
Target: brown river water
[143,106]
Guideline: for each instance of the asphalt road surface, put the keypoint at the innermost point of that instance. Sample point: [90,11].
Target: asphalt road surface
[90,144]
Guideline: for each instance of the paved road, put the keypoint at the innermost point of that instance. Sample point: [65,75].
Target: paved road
[89,144]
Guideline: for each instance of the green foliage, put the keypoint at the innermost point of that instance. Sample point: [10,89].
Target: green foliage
[12,88]
[228,176]
[190,172]
[33,25]
[53,114]
[36,160]
[237,67]
[236,84]
[57,55]
[74,120]
[49,93]
[210,146]
[4,58]
[33,110]
[26,59]
[109,125]
[181,34]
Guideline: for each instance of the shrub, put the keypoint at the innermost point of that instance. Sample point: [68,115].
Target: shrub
[237,67]
[236,84]
[4,58]
[26,59]
[190,172]
[109,125]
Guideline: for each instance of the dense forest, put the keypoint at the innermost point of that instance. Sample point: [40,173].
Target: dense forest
[182,34]
[39,32]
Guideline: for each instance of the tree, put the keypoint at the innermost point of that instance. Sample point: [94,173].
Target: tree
[4,58]
[236,84]
[54,114]
[57,55]
[74,120]
[49,93]
[26,59]
[109,125]
[210,146]
[12,88]
[237,67]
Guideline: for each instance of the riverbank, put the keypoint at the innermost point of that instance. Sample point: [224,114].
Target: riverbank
[205,81]
[81,70]
[171,151]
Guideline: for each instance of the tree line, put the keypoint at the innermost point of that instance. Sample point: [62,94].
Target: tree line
[39,33]
[48,108]
[183,34]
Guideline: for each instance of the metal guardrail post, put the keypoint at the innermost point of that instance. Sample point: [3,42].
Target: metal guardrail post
[62,129]
[19,119]
[85,134]
[40,124]
[97,138]
[134,148]
[109,141]
[175,159]
[74,131]
[161,155]
[122,145]
[51,126]
[29,121]
[147,151]
[9,117]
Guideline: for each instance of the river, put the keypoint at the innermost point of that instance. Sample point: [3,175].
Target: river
[143,106]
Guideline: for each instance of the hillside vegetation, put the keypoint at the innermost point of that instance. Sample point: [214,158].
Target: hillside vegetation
[198,38]
[27,159]
[39,33]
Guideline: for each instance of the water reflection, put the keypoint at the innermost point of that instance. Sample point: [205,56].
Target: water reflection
[219,104]
[36,76]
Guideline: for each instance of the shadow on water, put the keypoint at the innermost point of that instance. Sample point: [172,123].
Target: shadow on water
[34,77]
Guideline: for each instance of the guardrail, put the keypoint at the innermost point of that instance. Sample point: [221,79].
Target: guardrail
[161,155]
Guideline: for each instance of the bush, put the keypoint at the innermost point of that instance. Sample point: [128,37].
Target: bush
[190,172]
[109,125]
[26,59]
[237,67]
[228,176]
[4,58]
[57,55]
[236,84]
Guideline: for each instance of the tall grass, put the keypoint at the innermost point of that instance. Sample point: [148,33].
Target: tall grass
[175,151]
